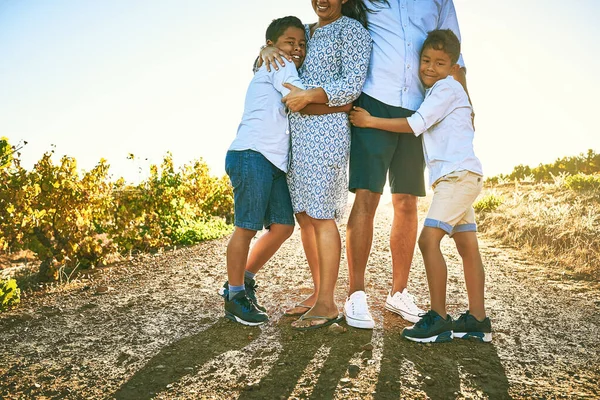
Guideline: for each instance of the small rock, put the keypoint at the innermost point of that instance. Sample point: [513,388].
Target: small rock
[336,328]
[252,386]
[353,370]
[429,380]
[102,289]
[528,374]
[367,347]
[256,362]
[346,382]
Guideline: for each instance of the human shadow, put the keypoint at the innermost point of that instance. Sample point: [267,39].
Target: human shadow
[185,357]
[443,370]
[325,353]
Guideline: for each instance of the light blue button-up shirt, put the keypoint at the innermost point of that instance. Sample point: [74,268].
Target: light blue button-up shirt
[264,126]
[444,120]
[398,32]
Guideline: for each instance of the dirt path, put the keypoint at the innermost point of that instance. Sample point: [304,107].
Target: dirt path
[153,328]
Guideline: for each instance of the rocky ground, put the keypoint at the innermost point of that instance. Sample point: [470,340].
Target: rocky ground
[153,327]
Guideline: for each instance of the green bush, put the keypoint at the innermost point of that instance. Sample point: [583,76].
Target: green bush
[585,163]
[488,203]
[10,294]
[583,182]
[194,232]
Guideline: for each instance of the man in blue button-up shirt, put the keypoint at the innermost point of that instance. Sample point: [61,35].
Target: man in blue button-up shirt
[392,90]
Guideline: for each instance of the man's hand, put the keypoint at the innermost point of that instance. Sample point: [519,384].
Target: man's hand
[296,99]
[269,54]
[359,117]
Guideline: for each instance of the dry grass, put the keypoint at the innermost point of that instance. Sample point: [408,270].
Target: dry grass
[549,221]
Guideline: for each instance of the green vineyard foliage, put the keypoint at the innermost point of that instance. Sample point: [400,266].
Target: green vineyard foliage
[72,220]
[585,163]
[10,294]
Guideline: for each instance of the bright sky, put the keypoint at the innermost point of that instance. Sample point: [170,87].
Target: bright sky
[113,77]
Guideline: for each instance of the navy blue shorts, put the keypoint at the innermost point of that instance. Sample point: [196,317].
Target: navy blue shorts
[375,154]
[260,192]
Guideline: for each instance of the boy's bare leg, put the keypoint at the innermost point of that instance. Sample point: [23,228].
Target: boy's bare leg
[237,254]
[468,248]
[359,237]
[309,243]
[435,266]
[403,238]
[329,249]
[267,245]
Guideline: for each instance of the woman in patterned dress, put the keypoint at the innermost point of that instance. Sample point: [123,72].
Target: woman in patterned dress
[334,69]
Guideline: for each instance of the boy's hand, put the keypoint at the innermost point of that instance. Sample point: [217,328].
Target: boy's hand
[359,117]
[296,99]
[269,54]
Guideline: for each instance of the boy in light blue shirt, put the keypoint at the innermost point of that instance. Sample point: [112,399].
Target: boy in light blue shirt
[256,163]
[455,174]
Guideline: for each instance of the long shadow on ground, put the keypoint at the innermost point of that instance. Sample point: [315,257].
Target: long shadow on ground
[311,363]
[441,370]
[183,357]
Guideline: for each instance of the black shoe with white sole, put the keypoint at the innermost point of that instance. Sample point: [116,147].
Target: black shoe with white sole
[431,328]
[241,309]
[468,327]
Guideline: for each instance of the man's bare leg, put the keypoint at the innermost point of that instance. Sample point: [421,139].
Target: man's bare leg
[359,237]
[403,238]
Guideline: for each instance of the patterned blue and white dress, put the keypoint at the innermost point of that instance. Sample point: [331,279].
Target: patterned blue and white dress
[336,60]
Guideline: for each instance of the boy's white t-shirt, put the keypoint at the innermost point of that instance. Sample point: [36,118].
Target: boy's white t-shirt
[444,120]
[264,127]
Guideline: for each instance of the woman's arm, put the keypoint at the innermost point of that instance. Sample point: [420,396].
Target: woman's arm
[355,55]
[298,99]
[268,55]
[322,109]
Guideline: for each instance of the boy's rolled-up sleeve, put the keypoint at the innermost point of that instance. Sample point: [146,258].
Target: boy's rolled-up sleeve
[437,105]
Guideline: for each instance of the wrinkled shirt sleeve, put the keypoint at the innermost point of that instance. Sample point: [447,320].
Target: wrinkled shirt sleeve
[438,103]
[356,52]
[289,74]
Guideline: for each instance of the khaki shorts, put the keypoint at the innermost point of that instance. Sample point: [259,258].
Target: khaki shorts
[452,206]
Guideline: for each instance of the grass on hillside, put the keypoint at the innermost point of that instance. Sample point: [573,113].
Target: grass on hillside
[556,222]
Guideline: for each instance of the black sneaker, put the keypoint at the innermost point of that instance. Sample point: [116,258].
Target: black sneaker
[430,328]
[242,310]
[250,286]
[468,327]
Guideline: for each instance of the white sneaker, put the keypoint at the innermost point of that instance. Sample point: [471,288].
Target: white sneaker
[356,311]
[404,305]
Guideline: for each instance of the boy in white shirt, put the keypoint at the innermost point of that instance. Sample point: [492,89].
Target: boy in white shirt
[256,163]
[455,174]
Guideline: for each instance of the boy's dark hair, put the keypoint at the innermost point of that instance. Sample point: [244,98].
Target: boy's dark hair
[445,40]
[279,25]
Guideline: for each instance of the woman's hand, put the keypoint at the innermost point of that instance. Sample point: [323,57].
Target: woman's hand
[297,98]
[269,54]
[359,117]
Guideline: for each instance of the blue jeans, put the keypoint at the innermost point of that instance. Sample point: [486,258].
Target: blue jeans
[260,192]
